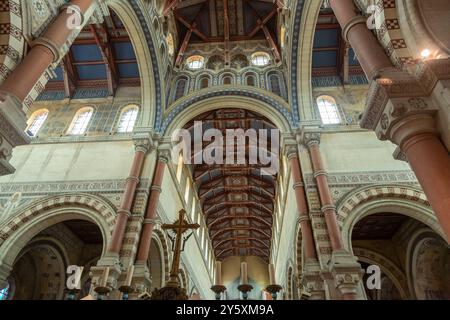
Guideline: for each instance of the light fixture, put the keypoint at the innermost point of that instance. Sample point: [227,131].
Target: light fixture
[425,53]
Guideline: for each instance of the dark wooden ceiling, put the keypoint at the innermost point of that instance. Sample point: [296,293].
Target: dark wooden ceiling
[380,226]
[87,231]
[224,21]
[238,202]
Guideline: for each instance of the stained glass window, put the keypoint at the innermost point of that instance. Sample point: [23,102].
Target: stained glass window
[328,110]
[36,121]
[81,121]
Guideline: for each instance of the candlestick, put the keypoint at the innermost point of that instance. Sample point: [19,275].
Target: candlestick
[244,275]
[271,274]
[218,273]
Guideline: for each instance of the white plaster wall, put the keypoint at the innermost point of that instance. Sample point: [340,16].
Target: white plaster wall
[358,152]
[71,162]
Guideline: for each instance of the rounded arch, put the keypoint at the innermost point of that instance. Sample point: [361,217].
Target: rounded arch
[48,211]
[141,38]
[127,117]
[387,266]
[418,239]
[160,237]
[268,105]
[406,200]
[299,251]
[36,121]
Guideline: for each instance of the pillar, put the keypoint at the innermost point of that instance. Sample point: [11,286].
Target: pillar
[128,196]
[45,51]
[370,53]
[415,131]
[343,269]
[310,277]
[151,212]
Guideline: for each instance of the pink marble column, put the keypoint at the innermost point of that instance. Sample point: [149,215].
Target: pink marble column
[151,212]
[45,50]
[370,53]
[328,207]
[127,200]
[302,205]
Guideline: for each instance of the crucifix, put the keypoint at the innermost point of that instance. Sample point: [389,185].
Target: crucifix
[179,228]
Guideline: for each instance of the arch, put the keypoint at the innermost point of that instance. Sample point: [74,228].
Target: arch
[28,221]
[204,81]
[387,266]
[36,121]
[417,239]
[80,121]
[127,118]
[256,100]
[147,56]
[11,43]
[401,199]
[180,88]
[160,237]
[328,110]
[251,79]
[275,81]
[299,251]
[227,78]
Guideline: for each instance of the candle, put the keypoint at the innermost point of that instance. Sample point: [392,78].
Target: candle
[218,273]
[105,276]
[130,274]
[271,274]
[244,276]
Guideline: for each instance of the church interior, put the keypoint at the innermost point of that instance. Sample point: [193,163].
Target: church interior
[344,103]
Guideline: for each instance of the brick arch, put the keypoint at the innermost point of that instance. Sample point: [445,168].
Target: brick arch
[290,278]
[387,266]
[11,38]
[299,251]
[378,192]
[160,237]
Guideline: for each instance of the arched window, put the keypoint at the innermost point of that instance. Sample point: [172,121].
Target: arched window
[250,79]
[36,121]
[328,110]
[204,82]
[170,45]
[180,87]
[274,82]
[195,62]
[128,118]
[227,79]
[80,121]
[260,59]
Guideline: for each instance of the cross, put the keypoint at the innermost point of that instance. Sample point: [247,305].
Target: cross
[179,227]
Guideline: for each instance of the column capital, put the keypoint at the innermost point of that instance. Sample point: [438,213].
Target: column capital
[346,272]
[291,152]
[165,153]
[311,138]
[144,142]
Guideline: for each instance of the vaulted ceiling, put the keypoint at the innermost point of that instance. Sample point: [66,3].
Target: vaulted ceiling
[237,200]
[224,21]
[102,56]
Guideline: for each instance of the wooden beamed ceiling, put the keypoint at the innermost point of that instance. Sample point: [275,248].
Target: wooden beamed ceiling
[224,21]
[102,57]
[332,56]
[237,201]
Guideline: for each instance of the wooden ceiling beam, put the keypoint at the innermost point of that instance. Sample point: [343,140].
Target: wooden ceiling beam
[170,5]
[226,32]
[183,48]
[191,26]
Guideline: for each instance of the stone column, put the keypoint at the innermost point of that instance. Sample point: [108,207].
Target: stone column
[370,53]
[151,212]
[310,277]
[45,51]
[344,269]
[411,124]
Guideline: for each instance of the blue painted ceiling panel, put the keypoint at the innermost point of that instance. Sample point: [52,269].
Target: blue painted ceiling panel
[124,51]
[59,74]
[128,70]
[324,59]
[326,38]
[86,52]
[92,72]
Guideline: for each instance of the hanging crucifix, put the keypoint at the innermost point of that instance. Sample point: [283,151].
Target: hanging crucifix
[179,228]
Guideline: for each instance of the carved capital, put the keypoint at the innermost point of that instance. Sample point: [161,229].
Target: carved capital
[346,271]
[311,138]
[164,154]
[291,152]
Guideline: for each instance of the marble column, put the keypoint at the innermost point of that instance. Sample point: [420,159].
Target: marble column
[124,212]
[45,51]
[343,269]
[310,277]
[370,53]
[151,212]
